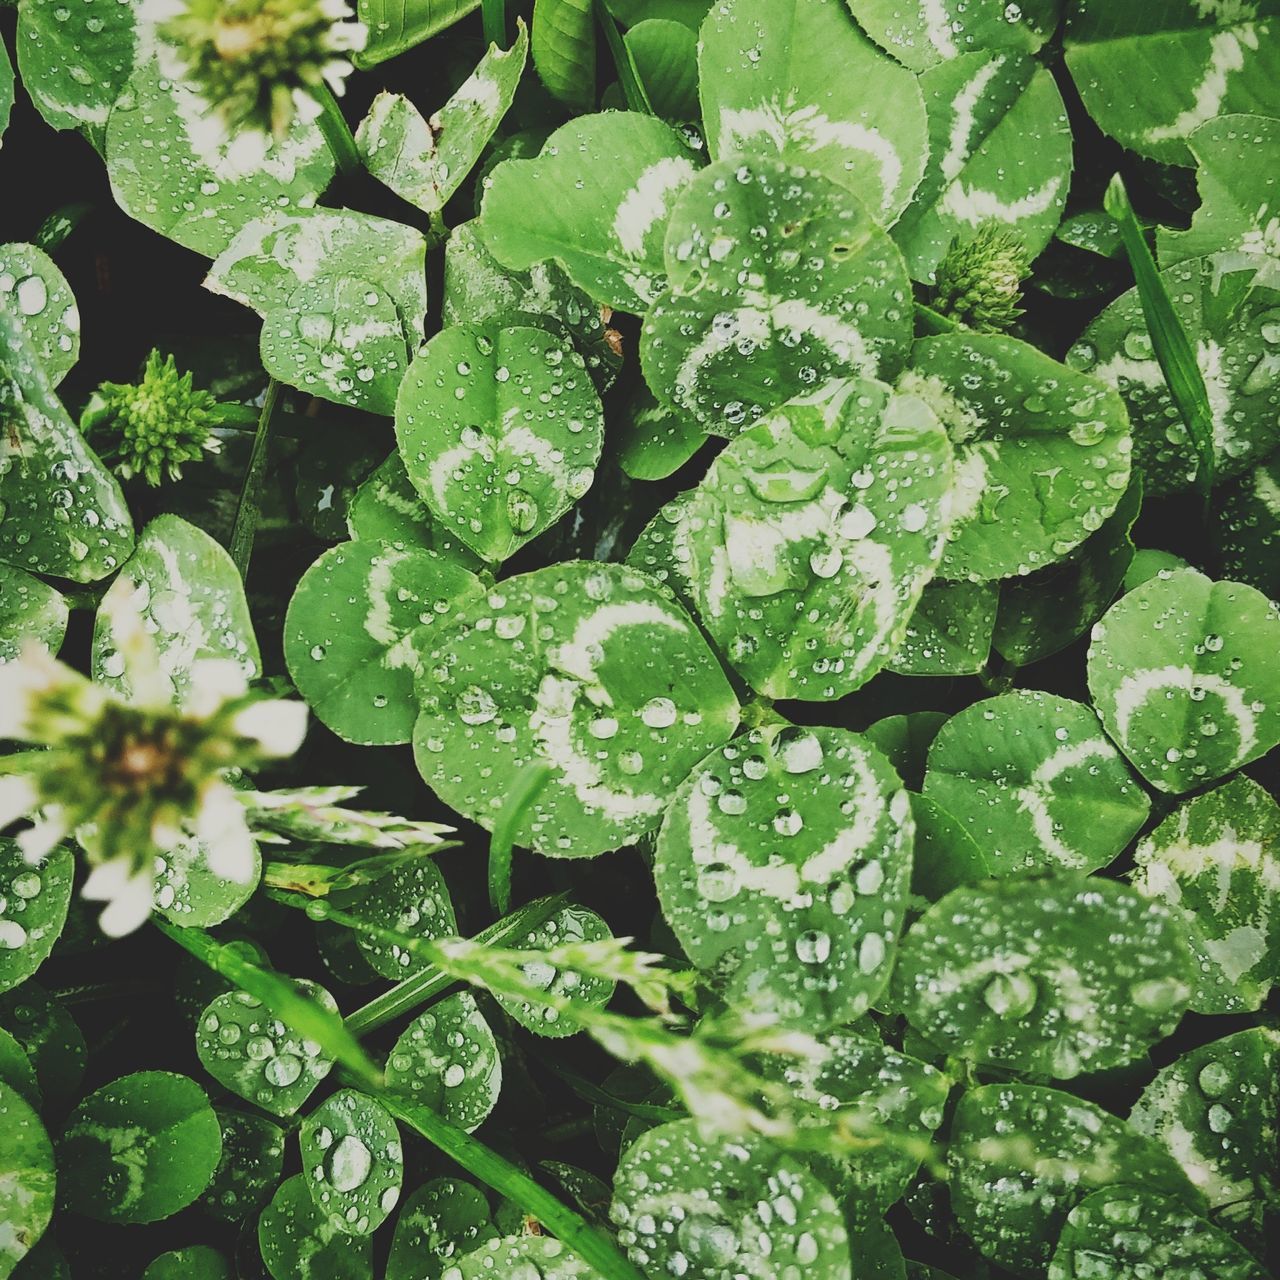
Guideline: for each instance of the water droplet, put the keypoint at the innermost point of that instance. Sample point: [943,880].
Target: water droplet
[1010,995]
[282,1070]
[658,713]
[813,947]
[348,1164]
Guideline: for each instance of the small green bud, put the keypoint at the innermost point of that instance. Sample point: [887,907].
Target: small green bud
[151,428]
[979,282]
[257,61]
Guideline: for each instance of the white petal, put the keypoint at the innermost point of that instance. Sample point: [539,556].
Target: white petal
[23,680]
[128,896]
[278,726]
[213,682]
[143,674]
[38,842]
[105,881]
[18,796]
[224,833]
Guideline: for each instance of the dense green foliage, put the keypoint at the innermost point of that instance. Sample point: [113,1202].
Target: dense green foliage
[673,671]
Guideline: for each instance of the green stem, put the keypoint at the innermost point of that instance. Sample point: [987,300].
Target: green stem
[633,90]
[930,322]
[413,992]
[249,509]
[493,13]
[567,1225]
[337,132]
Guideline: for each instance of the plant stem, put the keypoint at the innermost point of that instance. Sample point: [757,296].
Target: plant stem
[415,991]
[567,1225]
[931,322]
[247,513]
[494,15]
[337,132]
[633,90]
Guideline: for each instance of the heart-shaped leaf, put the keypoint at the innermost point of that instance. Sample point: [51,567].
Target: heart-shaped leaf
[352,1161]
[500,430]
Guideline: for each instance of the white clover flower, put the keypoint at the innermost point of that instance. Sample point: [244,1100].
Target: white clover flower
[131,777]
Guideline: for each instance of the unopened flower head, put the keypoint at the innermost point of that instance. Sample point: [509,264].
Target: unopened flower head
[152,427]
[257,62]
[132,777]
[979,282]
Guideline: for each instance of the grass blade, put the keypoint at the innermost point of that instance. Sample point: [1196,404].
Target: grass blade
[283,998]
[523,793]
[634,93]
[566,1224]
[1169,339]
[249,509]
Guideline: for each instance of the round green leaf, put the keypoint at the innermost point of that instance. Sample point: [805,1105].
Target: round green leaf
[783,867]
[412,899]
[827,294]
[448,1060]
[666,58]
[6,89]
[894,1100]
[199,1262]
[1022,1157]
[590,667]
[245,1048]
[1042,452]
[1238,196]
[1041,614]
[921,36]
[340,337]
[299,1242]
[139,1149]
[190,893]
[799,80]
[438,1223]
[1216,862]
[38,294]
[1232,318]
[1034,780]
[1055,977]
[27,1179]
[33,909]
[905,741]
[719,1208]
[810,540]
[1150,75]
[386,508]
[64,513]
[1214,1110]
[352,1160]
[1000,152]
[500,430]
[191,599]
[949,633]
[74,61]
[348,634]
[603,223]
[945,856]
[282,251]
[50,1038]
[249,1169]
[16,1070]
[655,440]
[1125,1231]
[426,161]
[569,925]
[478,288]
[529,1255]
[174,174]
[30,610]
[1185,674]
[1248,527]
